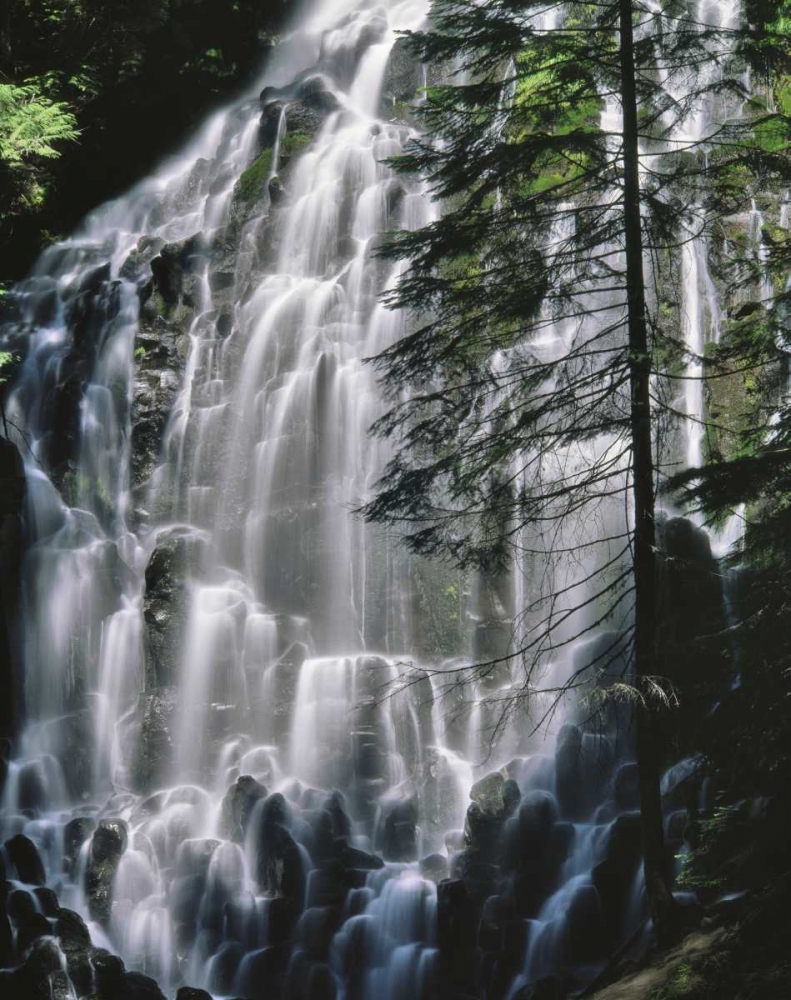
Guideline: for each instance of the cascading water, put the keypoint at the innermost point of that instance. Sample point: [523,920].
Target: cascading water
[228,729]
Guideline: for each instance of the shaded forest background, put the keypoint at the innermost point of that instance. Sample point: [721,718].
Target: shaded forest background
[94,92]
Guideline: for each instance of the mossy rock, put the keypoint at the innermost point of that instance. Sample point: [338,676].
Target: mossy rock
[252,183]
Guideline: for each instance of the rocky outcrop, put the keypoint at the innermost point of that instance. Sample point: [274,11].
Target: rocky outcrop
[154,750]
[107,845]
[402,83]
[89,309]
[166,275]
[165,604]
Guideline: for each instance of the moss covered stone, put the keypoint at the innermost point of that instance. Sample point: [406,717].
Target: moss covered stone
[293,145]
[250,185]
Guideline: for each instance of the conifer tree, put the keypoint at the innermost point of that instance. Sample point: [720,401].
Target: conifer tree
[538,382]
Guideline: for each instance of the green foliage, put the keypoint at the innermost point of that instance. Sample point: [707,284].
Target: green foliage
[293,144]
[8,362]
[250,186]
[517,155]
[31,125]
[678,985]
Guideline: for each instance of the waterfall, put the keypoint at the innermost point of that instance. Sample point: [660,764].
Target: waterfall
[240,766]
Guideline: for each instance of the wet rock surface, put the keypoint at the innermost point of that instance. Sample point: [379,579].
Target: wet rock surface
[155,745]
[26,860]
[165,604]
[108,843]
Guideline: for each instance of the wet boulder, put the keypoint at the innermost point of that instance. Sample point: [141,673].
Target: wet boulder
[187,905]
[238,805]
[457,932]
[75,943]
[193,856]
[329,885]
[31,980]
[192,993]
[47,900]
[351,857]
[537,815]
[278,863]
[261,973]
[478,870]
[75,833]
[494,916]
[224,968]
[615,877]
[336,808]
[399,839]
[434,868]
[31,929]
[107,970]
[496,795]
[303,110]
[136,986]
[20,905]
[320,984]
[60,986]
[23,855]
[136,267]
[31,788]
[173,277]
[315,931]
[72,931]
[324,844]
[275,809]
[482,830]
[108,843]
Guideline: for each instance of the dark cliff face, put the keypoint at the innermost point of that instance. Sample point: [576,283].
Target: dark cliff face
[12,495]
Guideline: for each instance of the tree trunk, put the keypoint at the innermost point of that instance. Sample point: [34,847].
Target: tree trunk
[644,544]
